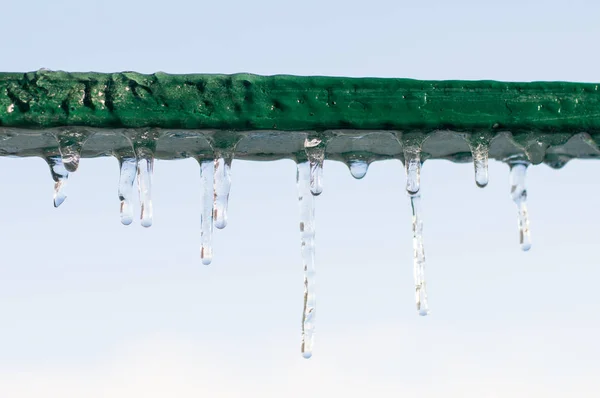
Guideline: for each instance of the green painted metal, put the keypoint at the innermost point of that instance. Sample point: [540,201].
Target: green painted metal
[245,102]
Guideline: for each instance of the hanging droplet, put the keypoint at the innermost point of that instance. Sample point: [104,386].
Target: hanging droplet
[60,176]
[222,186]
[518,192]
[315,152]
[358,168]
[128,171]
[307,240]
[480,161]
[412,163]
[145,168]
[418,255]
[207,173]
[70,144]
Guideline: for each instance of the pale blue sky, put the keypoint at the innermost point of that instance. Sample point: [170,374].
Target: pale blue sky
[90,308]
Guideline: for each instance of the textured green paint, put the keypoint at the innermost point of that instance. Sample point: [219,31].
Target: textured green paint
[246,102]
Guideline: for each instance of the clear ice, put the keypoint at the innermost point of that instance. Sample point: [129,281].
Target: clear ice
[222,185]
[128,171]
[145,167]
[70,144]
[307,240]
[412,163]
[418,255]
[518,193]
[358,168]
[412,159]
[60,176]
[480,161]
[207,173]
[315,152]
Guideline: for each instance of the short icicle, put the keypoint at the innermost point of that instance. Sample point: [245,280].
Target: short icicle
[127,177]
[315,152]
[480,161]
[145,168]
[358,168]
[70,144]
[412,164]
[412,159]
[222,186]
[307,239]
[60,176]
[207,173]
[518,193]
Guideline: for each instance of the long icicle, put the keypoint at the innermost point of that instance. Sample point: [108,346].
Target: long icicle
[207,172]
[145,168]
[518,193]
[412,160]
[306,201]
[222,186]
[60,176]
[127,177]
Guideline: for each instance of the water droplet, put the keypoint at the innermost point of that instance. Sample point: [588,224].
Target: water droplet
[358,168]
[222,186]
[418,255]
[315,152]
[412,163]
[70,144]
[518,193]
[480,161]
[60,176]
[307,240]
[145,168]
[207,173]
[128,172]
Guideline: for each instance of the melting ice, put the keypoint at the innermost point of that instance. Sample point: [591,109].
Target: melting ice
[145,168]
[480,161]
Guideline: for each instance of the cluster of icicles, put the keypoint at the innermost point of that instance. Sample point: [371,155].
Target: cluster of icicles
[215,172]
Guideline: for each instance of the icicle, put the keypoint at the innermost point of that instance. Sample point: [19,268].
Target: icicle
[207,172]
[412,163]
[480,161]
[315,152]
[418,255]
[518,192]
[307,239]
[358,168]
[145,167]
[222,185]
[128,171]
[60,176]
[70,144]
